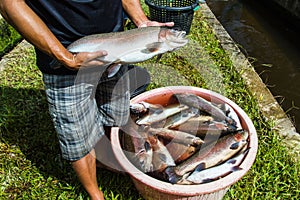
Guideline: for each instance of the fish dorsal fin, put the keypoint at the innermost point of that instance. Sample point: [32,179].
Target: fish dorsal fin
[153,47]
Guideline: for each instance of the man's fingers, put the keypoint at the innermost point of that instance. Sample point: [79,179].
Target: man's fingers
[98,54]
[88,59]
[170,24]
[155,23]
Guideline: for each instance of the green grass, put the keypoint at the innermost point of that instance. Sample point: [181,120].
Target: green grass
[30,165]
[8,37]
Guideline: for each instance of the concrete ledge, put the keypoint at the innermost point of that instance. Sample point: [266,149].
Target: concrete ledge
[15,54]
[268,105]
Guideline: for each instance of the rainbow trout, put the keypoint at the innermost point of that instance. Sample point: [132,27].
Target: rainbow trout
[158,115]
[143,107]
[180,152]
[176,136]
[180,118]
[131,46]
[230,112]
[209,156]
[214,173]
[161,156]
[138,147]
[204,105]
[203,129]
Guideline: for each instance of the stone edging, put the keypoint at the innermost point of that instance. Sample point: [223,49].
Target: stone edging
[14,53]
[268,105]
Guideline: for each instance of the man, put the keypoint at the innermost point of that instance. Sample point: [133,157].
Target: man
[78,116]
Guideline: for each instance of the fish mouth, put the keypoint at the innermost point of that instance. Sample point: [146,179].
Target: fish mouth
[177,33]
[176,43]
[172,37]
[176,36]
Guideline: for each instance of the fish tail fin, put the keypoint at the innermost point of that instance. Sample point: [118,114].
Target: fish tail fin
[172,176]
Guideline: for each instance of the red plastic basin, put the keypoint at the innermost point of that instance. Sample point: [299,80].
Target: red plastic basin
[151,188]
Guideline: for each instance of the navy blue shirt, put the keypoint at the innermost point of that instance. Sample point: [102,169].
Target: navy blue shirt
[70,20]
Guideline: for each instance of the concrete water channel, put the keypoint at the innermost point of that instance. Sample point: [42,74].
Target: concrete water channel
[268,105]
[269,36]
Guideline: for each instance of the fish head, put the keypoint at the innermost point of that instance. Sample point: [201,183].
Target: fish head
[144,160]
[172,38]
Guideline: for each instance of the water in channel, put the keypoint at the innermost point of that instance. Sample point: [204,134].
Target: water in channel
[271,42]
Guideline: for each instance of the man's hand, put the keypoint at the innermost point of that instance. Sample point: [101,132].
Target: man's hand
[155,23]
[85,59]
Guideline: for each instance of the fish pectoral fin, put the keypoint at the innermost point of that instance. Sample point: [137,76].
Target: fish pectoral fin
[233,161]
[200,167]
[207,180]
[153,47]
[235,146]
[236,168]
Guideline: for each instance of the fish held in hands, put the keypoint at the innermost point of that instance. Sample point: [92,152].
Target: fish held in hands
[131,46]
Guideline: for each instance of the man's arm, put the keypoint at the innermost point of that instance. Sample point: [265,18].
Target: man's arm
[35,31]
[134,9]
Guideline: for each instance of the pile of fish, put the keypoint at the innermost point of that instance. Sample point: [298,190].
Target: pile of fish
[188,141]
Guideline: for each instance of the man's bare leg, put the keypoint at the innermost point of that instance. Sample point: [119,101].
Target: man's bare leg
[85,168]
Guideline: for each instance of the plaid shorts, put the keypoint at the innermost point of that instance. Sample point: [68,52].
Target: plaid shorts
[81,105]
